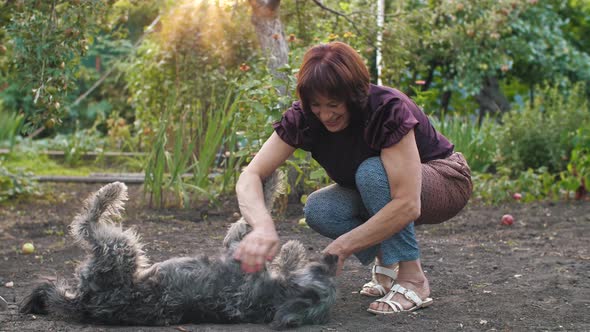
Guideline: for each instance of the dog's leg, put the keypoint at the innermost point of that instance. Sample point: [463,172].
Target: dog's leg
[272,187]
[292,257]
[107,202]
[235,233]
[116,255]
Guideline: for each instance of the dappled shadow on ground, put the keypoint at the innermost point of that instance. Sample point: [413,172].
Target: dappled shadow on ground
[533,275]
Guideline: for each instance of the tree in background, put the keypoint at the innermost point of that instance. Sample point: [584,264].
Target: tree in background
[467,48]
[464,53]
[269,29]
[47,41]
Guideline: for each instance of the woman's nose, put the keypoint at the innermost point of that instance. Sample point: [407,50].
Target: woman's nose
[325,115]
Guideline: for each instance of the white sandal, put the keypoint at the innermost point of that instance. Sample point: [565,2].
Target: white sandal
[373,284]
[396,306]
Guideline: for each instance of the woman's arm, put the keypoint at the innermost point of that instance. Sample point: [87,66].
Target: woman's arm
[404,172]
[263,242]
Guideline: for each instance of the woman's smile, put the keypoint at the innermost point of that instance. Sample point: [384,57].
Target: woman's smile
[332,113]
[333,122]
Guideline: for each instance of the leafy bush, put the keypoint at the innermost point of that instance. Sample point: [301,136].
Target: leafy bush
[15,182]
[48,39]
[310,176]
[575,179]
[539,184]
[542,135]
[189,58]
[499,187]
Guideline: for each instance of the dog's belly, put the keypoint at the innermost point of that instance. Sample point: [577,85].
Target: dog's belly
[214,291]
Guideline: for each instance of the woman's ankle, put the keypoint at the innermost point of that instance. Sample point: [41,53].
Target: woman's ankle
[411,271]
[379,262]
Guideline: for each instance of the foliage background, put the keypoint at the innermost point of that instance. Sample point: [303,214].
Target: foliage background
[184,84]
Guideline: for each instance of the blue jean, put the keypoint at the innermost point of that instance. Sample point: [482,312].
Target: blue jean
[336,210]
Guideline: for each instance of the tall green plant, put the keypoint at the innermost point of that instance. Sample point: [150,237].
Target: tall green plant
[211,134]
[185,151]
[10,125]
[477,143]
[156,163]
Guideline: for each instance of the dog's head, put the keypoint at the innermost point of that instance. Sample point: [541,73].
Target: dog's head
[311,292]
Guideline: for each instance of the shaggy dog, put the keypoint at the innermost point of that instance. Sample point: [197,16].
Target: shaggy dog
[115,285]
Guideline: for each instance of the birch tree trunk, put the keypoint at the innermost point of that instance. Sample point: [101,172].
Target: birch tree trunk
[268,27]
[379,55]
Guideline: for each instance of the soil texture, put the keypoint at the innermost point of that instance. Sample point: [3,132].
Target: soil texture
[532,275]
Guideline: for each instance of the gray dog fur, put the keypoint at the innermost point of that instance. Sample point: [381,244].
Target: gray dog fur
[116,285]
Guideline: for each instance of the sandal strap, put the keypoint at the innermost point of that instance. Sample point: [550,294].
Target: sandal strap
[380,289]
[392,273]
[394,305]
[407,293]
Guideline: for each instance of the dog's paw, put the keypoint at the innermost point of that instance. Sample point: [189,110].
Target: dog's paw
[235,233]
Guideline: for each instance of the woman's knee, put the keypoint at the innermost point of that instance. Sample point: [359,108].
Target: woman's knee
[373,184]
[315,209]
[370,173]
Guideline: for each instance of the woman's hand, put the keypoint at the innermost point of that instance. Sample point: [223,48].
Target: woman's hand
[257,247]
[336,248]
[262,244]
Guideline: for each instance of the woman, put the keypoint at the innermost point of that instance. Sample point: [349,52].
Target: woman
[392,171]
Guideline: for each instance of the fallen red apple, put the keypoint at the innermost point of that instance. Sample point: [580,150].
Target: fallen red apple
[507,220]
[517,196]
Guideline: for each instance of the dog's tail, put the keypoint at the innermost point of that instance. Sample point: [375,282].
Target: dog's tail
[50,297]
[272,187]
[103,205]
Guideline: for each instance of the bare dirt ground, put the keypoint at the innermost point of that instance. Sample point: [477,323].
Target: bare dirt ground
[533,275]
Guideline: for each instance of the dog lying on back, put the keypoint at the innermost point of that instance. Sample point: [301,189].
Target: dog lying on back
[116,285]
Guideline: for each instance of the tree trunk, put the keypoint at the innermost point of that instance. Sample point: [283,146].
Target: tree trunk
[491,100]
[378,51]
[268,27]
[445,100]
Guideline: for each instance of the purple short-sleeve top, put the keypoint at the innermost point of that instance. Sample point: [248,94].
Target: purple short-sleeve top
[389,116]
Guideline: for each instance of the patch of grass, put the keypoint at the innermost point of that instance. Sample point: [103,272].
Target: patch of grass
[39,164]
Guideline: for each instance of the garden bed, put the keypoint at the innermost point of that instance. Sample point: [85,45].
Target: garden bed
[532,275]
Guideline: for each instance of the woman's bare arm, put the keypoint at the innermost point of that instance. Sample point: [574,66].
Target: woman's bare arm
[262,243]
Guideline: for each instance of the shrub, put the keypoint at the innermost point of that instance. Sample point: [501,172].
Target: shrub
[191,58]
[15,182]
[542,135]
[574,181]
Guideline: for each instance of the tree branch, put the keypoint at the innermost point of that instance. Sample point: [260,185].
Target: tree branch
[337,13]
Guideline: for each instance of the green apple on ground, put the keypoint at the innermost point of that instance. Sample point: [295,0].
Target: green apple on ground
[28,248]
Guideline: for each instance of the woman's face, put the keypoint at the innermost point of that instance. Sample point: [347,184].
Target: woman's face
[332,113]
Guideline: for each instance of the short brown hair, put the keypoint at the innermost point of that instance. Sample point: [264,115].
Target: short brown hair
[333,70]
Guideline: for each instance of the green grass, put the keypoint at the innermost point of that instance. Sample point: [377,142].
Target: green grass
[43,165]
